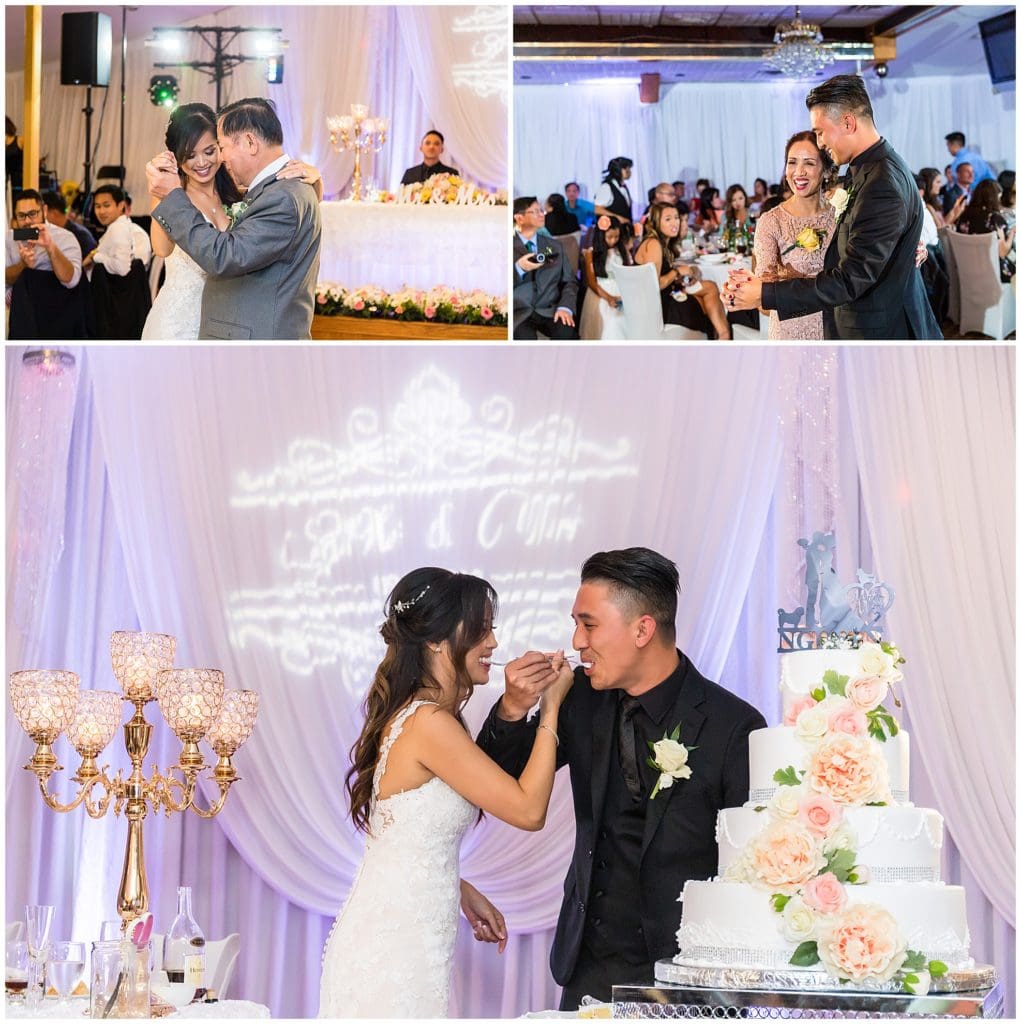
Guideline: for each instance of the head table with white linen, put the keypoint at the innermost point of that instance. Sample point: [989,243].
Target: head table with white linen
[51,1008]
[420,246]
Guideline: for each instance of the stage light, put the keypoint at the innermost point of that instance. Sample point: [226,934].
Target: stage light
[163,91]
[275,69]
[265,43]
[169,42]
[882,69]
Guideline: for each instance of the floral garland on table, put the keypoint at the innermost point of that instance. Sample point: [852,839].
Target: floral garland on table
[807,854]
[439,304]
[443,189]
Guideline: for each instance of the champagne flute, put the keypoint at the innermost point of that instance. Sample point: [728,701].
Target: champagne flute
[39,918]
[66,968]
[16,971]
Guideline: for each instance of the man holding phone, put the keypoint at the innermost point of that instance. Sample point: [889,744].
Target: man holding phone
[44,267]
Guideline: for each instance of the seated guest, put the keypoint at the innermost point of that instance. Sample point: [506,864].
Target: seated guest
[965,154]
[545,288]
[431,149]
[760,193]
[44,276]
[612,198]
[559,220]
[932,198]
[983,216]
[581,208]
[56,213]
[964,178]
[696,199]
[120,283]
[601,315]
[1007,205]
[661,247]
[735,211]
[710,210]
[930,232]
[683,208]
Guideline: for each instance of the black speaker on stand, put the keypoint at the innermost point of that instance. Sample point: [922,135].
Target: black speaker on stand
[86,44]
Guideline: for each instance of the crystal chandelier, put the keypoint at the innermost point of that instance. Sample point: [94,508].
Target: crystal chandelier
[799,51]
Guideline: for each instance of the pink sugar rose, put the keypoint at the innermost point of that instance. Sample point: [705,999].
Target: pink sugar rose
[801,704]
[824,894]
[847,718]
[819,814]
[867,692]
[783,856]
[486,313]
[862,942]
[850,770]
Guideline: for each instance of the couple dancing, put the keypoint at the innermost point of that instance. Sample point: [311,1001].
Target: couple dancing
[418,782]
[238,224]
[848,269]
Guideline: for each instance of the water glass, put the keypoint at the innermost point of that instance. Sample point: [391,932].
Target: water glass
[16,972]
[119,982]
[110,931]
[66,968]
[39,919]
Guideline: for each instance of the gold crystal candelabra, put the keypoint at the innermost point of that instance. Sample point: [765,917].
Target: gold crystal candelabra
[361,133]
[193,703]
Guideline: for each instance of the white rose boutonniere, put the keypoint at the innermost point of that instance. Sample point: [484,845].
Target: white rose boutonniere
[670,759]
[236,211]
[840,200]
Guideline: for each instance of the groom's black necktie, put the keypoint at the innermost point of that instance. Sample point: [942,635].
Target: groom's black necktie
[626,745]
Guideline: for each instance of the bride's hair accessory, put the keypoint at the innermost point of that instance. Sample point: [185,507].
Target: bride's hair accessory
[402,606]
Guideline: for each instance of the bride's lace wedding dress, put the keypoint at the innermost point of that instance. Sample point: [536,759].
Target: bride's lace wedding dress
[390,951]
[177,311]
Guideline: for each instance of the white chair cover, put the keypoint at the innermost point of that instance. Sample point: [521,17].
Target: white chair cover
[982,302]
[15,931]
[643,314]
[571,248]
[221,958]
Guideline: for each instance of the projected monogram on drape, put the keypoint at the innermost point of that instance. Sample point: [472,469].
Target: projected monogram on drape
[438,478]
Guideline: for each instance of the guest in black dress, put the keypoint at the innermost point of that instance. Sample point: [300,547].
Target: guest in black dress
[560,220]
[983,216]
[661,247]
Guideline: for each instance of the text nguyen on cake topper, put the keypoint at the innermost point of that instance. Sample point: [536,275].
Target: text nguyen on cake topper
[836,616]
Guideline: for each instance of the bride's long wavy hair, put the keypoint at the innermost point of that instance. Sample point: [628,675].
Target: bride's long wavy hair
[427,606]
[187,124]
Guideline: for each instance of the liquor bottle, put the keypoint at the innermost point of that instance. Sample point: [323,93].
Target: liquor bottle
[184,948]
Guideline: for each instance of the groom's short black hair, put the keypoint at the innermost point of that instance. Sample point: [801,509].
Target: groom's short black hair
[842,94]
[641,582]
[254,115]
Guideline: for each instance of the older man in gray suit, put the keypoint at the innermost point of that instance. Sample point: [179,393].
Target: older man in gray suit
[262,270]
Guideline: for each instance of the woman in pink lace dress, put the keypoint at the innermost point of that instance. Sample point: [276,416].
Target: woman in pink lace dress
[783,246]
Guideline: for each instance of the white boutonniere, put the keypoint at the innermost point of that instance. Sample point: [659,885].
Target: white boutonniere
[236,211]
[840,200]
[670,759]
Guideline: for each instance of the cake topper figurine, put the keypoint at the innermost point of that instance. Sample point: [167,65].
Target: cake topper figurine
[835,615]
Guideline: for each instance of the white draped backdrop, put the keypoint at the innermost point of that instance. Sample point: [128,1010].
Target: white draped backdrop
[423,67]
[259,503]
[734,132]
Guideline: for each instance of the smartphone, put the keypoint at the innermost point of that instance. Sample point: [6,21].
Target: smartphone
[26,234]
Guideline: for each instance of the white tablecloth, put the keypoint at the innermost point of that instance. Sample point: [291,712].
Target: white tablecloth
[717,271]
[226,1009]
[392,245]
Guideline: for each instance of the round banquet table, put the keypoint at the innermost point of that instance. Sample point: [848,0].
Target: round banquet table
[395,244]
[717,271]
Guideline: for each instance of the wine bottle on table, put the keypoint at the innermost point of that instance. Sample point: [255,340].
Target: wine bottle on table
[184,948]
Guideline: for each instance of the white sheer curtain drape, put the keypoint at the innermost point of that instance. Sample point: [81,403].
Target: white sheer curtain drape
[939,492]
[337,56]
[259,503]
[732,132]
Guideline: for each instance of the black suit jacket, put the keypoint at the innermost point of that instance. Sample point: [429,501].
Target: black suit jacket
[420,173]
[680,824]
[870,286]
[542,291]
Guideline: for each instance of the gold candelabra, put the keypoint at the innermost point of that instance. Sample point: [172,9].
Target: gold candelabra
[194,704]
[361,133]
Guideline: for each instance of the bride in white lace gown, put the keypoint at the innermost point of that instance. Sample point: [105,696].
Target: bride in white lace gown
[416,785]
[191,140]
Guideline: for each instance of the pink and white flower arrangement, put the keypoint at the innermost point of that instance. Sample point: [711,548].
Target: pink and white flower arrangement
[850,770]
[783,857]
[440,304]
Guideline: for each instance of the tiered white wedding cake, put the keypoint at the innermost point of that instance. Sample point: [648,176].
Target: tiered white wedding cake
[829,878]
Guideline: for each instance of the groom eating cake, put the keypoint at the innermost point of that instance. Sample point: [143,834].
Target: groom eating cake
[870,286]
[641,829]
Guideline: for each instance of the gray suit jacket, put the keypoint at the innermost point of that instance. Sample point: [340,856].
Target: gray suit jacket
[544,290]
[263,270]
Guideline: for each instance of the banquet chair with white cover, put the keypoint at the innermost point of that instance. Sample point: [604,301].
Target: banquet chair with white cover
[221,959]
[572,252]
[642,309]
[15,931]
[979,300]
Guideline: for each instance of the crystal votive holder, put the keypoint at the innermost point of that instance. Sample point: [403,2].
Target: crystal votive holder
[137,660]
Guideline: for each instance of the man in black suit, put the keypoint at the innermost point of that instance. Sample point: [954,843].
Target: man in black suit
[431,149]
[633,851]
[545,288]
[870,286]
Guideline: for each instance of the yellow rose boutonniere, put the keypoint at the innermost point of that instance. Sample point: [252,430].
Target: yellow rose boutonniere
[808,239]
